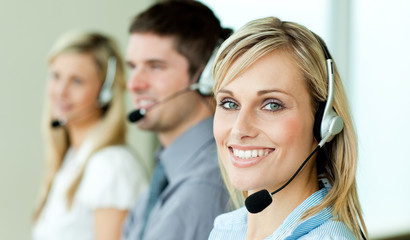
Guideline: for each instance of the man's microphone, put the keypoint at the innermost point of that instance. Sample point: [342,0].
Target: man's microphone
[260,200]
[138,114]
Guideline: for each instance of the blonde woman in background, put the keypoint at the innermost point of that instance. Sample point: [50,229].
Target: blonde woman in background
[92,178]
[271,87]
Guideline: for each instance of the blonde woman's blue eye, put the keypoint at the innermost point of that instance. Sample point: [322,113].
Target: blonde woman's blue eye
[272,106]
[229,105]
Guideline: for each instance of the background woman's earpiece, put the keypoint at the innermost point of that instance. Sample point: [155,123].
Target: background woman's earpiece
[106,90]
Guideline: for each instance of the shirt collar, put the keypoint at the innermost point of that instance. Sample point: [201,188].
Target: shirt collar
[177,157]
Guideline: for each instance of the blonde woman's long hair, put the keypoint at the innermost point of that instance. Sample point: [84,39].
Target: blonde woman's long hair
[111,129]
[263,36]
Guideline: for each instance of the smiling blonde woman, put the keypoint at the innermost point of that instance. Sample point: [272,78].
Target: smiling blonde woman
[271,79]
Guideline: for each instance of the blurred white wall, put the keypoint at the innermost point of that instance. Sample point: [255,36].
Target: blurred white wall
[291,10]
[369,40]
[27,31]
[380,83]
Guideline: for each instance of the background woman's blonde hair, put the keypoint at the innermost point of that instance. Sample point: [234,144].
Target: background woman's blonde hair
[263,36]
[111,129]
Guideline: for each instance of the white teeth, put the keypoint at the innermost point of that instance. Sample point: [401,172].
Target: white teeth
[247,154]
[144,103]
[254,153]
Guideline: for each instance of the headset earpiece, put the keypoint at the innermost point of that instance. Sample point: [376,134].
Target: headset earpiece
[106,94]
[205,83]
[326,125]
[327,122]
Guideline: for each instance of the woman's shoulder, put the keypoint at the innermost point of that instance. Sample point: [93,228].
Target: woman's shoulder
[115,151]
[113,177]
[115,162]
[117,157]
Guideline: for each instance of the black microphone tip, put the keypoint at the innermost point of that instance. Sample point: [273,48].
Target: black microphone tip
[56,123]
[258,201]
[136,115]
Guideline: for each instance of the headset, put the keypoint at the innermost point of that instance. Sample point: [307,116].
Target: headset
[205,83]
[327,125]
[204,86]
[106,93]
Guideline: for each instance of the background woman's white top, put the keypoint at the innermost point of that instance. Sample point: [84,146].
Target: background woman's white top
[113,178]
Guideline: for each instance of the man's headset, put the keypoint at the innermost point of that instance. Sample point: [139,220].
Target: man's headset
[204,86]
[104,98]
[205,82]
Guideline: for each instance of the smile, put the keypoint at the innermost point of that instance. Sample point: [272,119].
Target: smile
[248,157]
[145,103]
[247,154]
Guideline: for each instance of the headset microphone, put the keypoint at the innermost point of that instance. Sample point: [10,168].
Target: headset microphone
[138,114]
[258,201]
[58,122]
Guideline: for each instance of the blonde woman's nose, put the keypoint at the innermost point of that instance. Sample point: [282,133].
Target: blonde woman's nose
[244,125]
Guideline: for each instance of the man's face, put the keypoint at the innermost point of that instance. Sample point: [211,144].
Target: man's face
[158,71]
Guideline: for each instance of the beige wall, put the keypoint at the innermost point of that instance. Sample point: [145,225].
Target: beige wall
[27,30]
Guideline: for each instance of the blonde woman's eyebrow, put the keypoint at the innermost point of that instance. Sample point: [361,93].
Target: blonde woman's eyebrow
[263,92]
[258,93]
[224,91]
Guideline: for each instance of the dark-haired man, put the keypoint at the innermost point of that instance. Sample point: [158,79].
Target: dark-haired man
[169,46]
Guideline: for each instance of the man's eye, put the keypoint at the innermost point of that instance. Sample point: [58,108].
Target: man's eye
[157,66]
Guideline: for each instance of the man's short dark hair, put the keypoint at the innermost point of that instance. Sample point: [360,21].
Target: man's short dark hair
[195,29]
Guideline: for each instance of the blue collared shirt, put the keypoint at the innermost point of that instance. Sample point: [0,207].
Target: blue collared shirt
[321,226]
[194,196]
